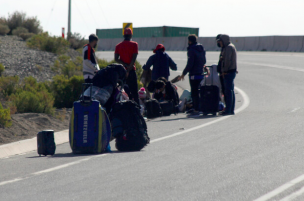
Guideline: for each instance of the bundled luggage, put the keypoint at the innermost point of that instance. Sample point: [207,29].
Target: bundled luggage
[209,95]
[168,108]
[105,82]
[128,126]
[46,143]
[90,129]
[153,109]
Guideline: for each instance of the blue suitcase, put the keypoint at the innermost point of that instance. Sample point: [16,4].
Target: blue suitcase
[90,128]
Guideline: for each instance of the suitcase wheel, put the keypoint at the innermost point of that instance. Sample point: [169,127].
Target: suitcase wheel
[214,114]
[39,155]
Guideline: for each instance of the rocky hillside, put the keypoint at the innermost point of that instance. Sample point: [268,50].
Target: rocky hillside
[20,60]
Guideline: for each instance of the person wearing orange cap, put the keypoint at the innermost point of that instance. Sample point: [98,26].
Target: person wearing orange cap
[161,62]
[126,53]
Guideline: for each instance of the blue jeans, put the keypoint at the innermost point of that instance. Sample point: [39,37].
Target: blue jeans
[229,92]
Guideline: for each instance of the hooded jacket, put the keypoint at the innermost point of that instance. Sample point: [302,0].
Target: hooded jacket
[196,59]
[110,75]
[229,56]
[161,62]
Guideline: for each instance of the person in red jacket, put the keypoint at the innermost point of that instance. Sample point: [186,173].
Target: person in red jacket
[126,53]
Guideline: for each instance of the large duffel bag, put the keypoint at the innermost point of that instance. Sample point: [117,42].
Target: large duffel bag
[153,109]
[90,129]
[168,108]
[128,126]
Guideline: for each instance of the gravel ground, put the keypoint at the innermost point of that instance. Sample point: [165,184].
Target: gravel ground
[20,60]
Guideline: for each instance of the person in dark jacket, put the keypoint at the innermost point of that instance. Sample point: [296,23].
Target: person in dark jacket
[165,91]
[161,62]
[195,65]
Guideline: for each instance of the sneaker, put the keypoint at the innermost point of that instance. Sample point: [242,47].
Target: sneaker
[195,113]
[189,111]
[226,114]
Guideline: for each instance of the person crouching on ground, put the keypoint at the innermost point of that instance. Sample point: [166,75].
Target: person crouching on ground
[165,91]
[90,64]
[161,62]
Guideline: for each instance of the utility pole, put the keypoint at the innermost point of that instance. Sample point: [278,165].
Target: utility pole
[69,21]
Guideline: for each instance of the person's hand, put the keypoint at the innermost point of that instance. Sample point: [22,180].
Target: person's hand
[182,77]
[127,74]
[96,71]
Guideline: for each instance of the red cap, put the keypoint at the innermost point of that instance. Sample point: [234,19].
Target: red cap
[159,47]
[128,31]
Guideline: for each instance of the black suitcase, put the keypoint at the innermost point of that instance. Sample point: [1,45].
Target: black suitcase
[153,109]
[209,99]
[46,143]
[167,108]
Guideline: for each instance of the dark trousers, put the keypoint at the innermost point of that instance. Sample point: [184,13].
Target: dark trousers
[195,84]
[222,83]
[229,92]
[133,87]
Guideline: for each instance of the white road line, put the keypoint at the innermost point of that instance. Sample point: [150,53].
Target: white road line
[276,55]
[294,110]
[281,189]
[243,107]
[294,195]
[273,66]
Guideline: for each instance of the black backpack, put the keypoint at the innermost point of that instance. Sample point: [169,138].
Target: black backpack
[153,109]
[128,126]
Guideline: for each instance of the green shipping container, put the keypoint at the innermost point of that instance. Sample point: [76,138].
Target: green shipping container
[146,32]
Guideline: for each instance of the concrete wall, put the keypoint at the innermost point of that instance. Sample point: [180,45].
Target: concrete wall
[258,43]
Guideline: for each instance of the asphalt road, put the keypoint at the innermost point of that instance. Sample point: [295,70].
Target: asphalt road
[255,154]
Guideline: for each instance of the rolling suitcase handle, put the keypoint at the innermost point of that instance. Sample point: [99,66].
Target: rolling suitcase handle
[121,83]
[89,85]
[210,75]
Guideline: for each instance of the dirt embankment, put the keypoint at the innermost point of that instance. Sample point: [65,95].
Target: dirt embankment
[20,60]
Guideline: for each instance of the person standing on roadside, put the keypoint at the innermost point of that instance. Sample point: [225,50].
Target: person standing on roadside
[195,65]
[228,71]
[126,53]
[161,62]
[90,64]
[219,65]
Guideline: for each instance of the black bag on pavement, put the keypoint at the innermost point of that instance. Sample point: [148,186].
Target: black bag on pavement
[153,109]
[209,98]
[167,108]
[46,143]
[128,126]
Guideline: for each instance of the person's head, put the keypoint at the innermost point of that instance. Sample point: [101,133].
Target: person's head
[192,39]
[219,43]
[142,93]
[151,86]
[163,79]
[93,39]
[217,40]
[128,34]
[224,40]
[160,86]
[160,47]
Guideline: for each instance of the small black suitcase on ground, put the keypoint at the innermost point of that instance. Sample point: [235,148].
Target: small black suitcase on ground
[167,108]
[153,109]
[46,143]
[209,99]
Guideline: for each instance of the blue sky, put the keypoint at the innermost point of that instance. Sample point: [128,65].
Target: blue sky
[234,17]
